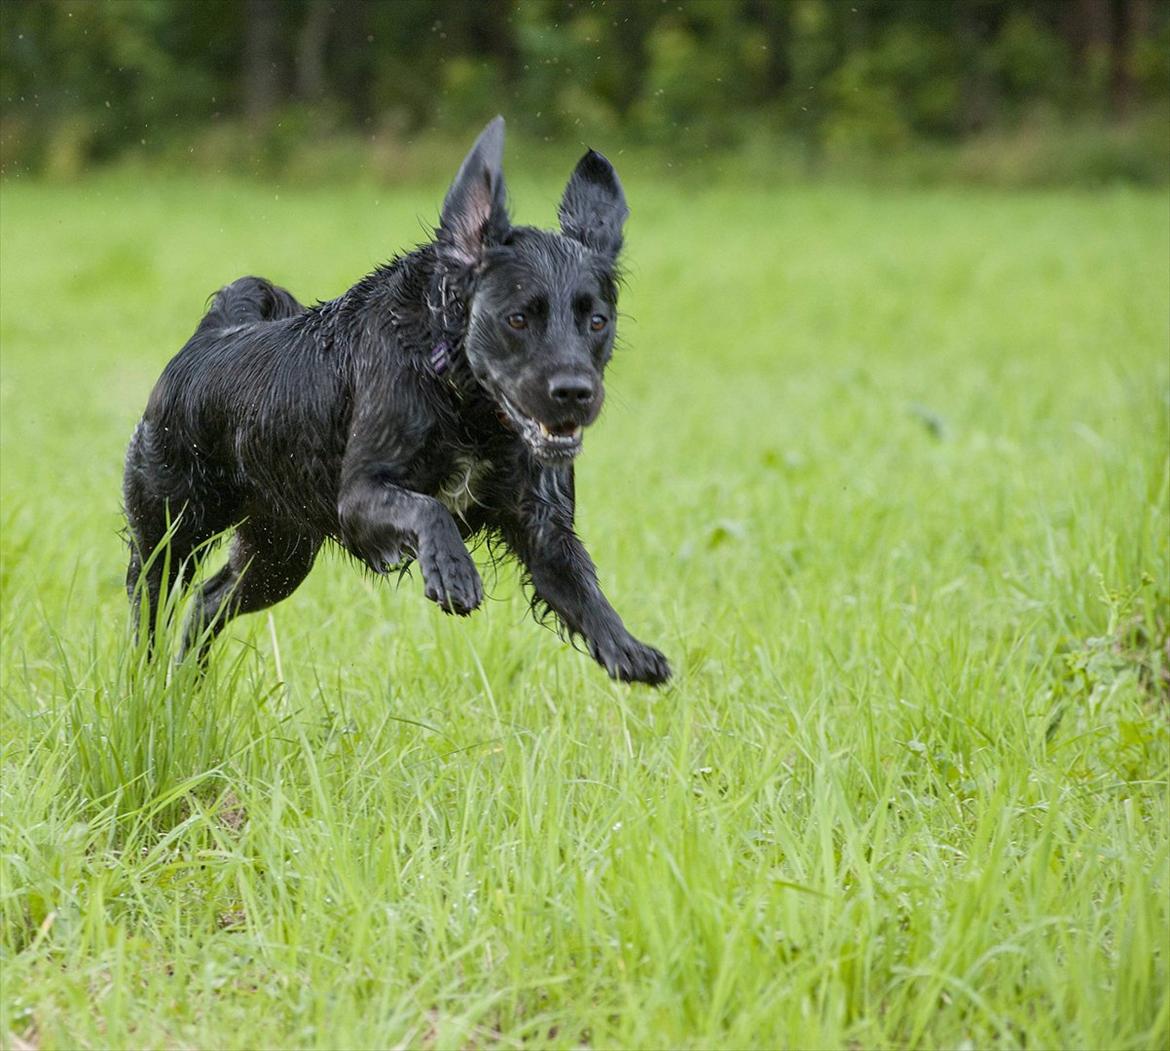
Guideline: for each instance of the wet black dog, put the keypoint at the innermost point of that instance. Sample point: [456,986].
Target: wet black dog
[441,397]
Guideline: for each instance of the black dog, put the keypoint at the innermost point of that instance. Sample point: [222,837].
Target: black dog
[442,396]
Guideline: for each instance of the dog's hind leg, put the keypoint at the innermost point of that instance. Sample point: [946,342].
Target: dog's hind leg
[267,563]
[164,551]
[169,526]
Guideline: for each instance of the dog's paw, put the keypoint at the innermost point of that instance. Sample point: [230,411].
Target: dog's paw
[452,581]
[628,660]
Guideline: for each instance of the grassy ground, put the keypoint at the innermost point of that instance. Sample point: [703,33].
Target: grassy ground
[885,475]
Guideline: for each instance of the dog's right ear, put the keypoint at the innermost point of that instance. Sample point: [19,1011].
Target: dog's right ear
[474,212]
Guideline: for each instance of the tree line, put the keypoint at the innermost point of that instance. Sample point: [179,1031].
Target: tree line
[858,74]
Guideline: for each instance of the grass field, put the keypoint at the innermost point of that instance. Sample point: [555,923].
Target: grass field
[886,476]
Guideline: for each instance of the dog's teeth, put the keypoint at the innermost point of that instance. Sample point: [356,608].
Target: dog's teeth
[545,432]
[576,433]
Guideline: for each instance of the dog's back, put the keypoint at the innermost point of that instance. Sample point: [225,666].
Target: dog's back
[219,381]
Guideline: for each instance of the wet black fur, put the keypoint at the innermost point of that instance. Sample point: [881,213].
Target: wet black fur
[341,422]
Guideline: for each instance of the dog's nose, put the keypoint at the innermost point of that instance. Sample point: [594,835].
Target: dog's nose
[571,389]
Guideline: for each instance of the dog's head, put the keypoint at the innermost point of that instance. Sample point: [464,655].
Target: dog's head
[541,306]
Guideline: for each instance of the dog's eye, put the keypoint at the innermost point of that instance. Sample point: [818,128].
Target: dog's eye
[517,320]
[597,322]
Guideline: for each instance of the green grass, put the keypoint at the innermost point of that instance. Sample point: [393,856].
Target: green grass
[886,475]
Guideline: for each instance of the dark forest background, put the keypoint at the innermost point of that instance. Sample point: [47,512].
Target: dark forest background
[1041,90]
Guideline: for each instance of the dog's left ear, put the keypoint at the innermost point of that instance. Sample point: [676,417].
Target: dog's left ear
[593,209]
[474,212]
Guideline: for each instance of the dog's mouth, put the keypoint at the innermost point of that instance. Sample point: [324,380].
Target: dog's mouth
[552,443]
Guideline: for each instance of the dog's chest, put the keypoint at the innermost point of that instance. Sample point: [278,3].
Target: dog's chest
[463,487]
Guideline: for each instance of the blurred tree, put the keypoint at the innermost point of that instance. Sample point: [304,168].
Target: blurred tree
[262,25]
[1133,26]
[311,43]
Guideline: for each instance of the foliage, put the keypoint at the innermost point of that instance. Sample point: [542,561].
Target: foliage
[81,82]
[886,476]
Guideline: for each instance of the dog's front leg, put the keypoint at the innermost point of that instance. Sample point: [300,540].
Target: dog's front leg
[380,522]
[564,577]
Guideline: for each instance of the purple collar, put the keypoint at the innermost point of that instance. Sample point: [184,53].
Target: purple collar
[441,357]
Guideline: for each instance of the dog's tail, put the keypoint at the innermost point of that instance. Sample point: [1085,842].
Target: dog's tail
[247,300]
